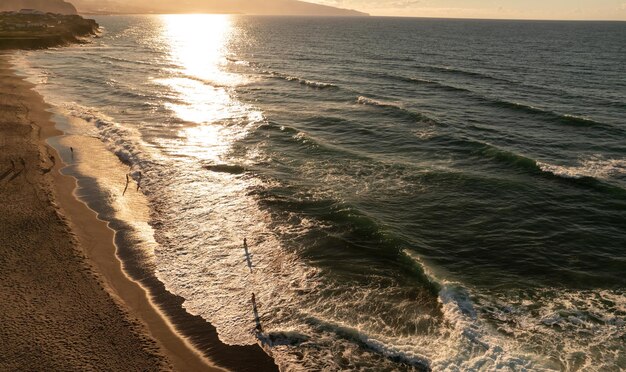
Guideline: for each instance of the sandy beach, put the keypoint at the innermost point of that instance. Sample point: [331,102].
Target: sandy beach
[67,304]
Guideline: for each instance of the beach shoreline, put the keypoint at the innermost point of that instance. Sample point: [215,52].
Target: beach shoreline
[70,298]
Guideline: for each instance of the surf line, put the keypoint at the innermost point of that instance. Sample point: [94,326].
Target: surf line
[255,309]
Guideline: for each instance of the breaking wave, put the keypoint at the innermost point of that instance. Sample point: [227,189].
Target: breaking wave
[595,167]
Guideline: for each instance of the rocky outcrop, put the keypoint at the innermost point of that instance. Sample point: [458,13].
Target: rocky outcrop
[36,31]
[46,6]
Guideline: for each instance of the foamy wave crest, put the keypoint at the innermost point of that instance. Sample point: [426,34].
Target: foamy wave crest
[301,81]
[123,142]
[372,102]
[312,84]
[37,76]
[594,167]
[465,341]
[226,81]
[239,62]
[491,329]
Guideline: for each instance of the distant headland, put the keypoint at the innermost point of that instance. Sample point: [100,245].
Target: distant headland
[35,29]
[250,7]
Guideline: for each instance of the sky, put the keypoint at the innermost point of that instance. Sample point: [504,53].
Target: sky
[502,9]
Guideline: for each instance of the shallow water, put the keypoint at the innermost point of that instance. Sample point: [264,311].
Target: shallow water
[414,193]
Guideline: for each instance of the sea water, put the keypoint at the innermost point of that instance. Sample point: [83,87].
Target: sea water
[414,193]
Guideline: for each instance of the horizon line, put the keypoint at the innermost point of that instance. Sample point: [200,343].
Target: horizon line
[365,15]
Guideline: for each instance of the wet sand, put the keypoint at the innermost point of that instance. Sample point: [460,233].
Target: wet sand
[67,304]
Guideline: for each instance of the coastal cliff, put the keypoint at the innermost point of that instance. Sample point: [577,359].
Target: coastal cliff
[36,31]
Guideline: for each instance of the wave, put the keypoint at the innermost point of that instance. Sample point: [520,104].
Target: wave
[372,102]
[338,125]
[399,110]
[547,114]
[553,116]
[458,71]
[486,150]
[469,343]
[593,167]
[308,141]
[508,157]
[567,119]
[440,85]
[421,81]
[209,82]
[558,319]
[301,81]
[445,86]
[594,172]
[240,62]
[499,324]
[118,140]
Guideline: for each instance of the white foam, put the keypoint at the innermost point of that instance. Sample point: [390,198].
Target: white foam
[372,102]
[465,341]
[594,166]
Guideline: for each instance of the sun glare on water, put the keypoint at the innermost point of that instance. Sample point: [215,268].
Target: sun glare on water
[198,46]
[199,43]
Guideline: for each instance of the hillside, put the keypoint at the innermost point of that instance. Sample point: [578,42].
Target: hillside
[253,7]
[47,6]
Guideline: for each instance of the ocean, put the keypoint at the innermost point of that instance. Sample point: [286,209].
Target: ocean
[414,193]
